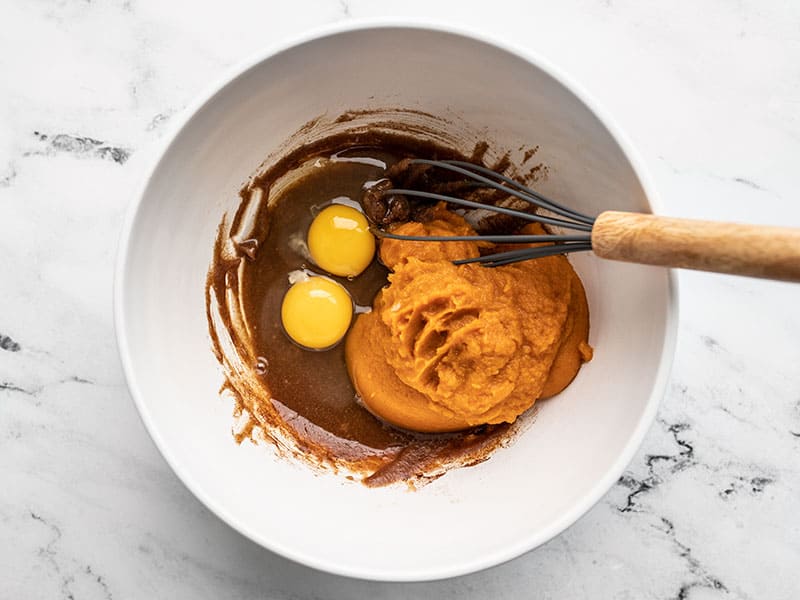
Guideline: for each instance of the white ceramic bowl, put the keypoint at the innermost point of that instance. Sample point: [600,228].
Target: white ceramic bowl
[471,518]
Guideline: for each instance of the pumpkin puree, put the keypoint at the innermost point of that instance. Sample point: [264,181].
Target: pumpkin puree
[449,347]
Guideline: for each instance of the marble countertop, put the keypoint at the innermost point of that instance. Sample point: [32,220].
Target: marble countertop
[709,91]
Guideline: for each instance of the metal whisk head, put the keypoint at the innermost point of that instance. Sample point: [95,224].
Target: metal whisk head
[483,177]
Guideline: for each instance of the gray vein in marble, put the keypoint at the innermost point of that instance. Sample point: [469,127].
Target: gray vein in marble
[146,75]
[749,183]
[48,554]
[737,179]
[737,366]
[68,577]
[8,177]
[6,343]
[58,13]
[100,581]
[755,484]
[797,410]
[680,461]
[724,408]
[345,9]
[713,346]
[7,386]
[162,551]
[710,343]
[159,120]
[704,579]
[81,146]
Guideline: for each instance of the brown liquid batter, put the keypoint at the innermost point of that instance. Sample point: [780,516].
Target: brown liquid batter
[304,401]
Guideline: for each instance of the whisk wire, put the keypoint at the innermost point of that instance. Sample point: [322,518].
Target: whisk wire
[555,244]
[517,189]
[494,239]
[499,209]
[514,256]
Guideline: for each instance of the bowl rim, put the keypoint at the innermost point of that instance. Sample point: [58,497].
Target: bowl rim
[530,542]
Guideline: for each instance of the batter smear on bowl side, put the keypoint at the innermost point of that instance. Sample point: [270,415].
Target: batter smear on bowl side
[448,356]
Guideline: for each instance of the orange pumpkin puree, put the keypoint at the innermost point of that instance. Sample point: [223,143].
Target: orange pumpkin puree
[449,347]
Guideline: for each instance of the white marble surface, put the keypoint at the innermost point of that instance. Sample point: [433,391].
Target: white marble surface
[710,93]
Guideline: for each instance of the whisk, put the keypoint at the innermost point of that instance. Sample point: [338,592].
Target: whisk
[739,249]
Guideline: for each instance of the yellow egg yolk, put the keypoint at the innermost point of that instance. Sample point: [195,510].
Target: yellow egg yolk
[316,312]
[340,241]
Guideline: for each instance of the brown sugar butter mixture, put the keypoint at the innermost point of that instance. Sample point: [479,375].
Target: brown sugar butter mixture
[455,351]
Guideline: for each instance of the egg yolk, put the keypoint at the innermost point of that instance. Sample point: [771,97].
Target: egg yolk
[340,241]
[316,312]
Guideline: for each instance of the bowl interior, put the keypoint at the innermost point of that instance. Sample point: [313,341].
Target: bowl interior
[471,518]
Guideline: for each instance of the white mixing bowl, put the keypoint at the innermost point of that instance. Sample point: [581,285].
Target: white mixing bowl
[471,518]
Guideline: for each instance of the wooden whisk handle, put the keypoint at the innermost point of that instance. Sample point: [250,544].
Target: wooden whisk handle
[753,250]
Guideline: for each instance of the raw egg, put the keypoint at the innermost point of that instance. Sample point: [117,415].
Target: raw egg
[340,241]
[316,312]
